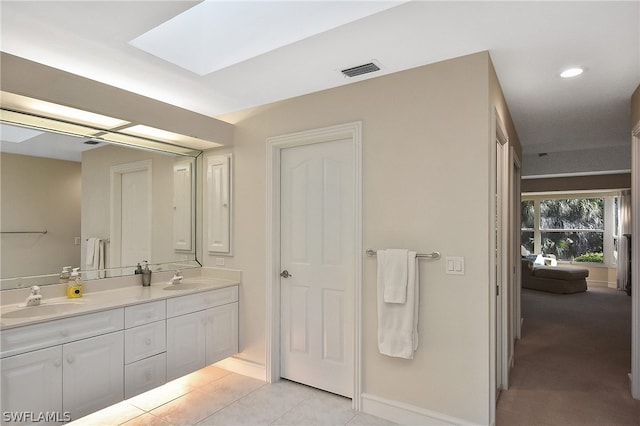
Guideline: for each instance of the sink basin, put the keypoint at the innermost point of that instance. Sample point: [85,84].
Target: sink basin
[42,310]
[184,286]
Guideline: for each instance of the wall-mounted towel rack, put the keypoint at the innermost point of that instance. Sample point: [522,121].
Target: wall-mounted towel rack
[24,232]
[106,240]
[434,255]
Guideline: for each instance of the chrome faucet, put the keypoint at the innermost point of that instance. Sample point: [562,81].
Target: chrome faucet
[35,298]
[177,277]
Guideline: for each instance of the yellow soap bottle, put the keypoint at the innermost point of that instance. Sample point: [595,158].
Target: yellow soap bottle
[74,288]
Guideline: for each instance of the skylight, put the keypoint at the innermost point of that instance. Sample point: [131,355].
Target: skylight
[217,34]
[17,134]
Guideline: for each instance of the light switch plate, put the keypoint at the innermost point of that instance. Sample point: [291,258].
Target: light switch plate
[219,261]
[454,265]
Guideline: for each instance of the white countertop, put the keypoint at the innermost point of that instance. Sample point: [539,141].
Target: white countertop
[95,301]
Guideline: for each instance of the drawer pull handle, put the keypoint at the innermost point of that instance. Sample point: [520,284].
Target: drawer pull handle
[64,333]
[57,363]
[148,341]
[70,359]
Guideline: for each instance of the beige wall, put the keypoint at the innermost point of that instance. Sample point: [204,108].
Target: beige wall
[96,190]
[426,172]
[38,194]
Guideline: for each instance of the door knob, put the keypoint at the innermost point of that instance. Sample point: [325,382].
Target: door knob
[285,274]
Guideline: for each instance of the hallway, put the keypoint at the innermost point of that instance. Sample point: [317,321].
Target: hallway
[572,363]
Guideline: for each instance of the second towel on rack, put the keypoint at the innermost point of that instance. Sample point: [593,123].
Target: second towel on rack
[398,322]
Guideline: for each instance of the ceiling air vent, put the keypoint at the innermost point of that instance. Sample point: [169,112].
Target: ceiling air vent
[361,69]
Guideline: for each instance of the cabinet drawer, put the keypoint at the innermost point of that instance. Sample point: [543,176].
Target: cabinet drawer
[144,375]
[31,337]
[199,301]
[144,341]
[144,314]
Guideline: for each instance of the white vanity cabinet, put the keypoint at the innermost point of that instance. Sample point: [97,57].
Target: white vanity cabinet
[72,364]
[32,382]
[144,347]
[84,363]
[201,329]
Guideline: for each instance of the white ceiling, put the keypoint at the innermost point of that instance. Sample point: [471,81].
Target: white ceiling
[529,42]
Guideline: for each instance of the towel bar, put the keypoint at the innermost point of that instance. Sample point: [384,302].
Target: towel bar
[106,240]
[24,232]
[434,255]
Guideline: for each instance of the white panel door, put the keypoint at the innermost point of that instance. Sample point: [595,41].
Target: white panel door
[317,253]
[135,238]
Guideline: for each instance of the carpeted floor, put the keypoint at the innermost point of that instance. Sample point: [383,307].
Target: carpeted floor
[572,363]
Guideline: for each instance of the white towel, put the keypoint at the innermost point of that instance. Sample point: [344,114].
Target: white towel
[394,271]
[95,258]
[398,322]
[90,253]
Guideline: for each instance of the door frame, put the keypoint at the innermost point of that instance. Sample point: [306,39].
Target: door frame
[499,175]
[352,131]
[635,268]
[516,267]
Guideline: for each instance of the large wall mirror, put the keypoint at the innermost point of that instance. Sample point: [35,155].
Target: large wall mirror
[69,201]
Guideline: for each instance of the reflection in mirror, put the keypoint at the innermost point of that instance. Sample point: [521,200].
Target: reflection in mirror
[104,208]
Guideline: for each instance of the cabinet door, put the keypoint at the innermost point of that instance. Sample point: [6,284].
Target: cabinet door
[185,344]
[93,374]
[218,204]
[32,382]
[183,188]
[222,332]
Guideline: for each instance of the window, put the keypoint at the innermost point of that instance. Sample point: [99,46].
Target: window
[572,229]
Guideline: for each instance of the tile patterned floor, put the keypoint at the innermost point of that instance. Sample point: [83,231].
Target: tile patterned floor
[213,396]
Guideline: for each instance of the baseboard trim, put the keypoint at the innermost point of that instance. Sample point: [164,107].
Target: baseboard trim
[401,413]
[244,367]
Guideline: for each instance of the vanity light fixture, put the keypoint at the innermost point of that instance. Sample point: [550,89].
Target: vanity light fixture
[61,112]
[33,113]
[59,126]
[166,136]
[571,72]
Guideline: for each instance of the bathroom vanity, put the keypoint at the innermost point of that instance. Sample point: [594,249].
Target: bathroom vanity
[114,344]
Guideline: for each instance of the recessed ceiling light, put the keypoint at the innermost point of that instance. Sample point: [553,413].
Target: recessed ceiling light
[571,72]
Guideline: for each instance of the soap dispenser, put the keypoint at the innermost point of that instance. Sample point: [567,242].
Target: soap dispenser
[65,274]
[146,275]
[138,269]
[74,288]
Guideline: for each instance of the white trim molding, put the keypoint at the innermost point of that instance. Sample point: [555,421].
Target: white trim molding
[578,174]
[352,131]
[406,414]
[243,367]
[635,268]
